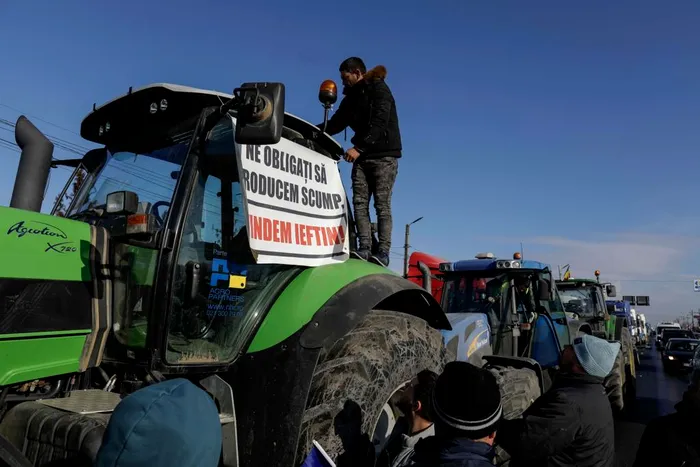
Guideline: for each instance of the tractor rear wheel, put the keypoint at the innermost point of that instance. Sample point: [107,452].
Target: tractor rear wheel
[614,383]
[355,381]
[630,385]
[519,389]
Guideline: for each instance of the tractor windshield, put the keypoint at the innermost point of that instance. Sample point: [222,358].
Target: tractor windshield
[487,292]
[152,176]
[151,171]
[581,301]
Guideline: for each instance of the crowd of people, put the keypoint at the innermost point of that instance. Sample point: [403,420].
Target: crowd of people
[453,419]
[460,417]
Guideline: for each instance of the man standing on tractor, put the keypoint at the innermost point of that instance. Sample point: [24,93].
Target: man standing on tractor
[369,109]
[572,423]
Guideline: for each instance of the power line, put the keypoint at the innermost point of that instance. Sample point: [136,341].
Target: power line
[39,118]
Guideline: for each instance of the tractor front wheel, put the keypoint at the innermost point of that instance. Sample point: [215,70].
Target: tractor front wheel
[356,380]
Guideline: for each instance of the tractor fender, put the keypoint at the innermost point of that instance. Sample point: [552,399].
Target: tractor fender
[327,301]
[349,305]
[517,363]
[578,328]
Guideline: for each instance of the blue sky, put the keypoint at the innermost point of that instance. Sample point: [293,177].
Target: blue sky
[571,128]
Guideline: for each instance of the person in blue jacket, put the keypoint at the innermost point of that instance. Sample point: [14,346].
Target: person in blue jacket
[173,423]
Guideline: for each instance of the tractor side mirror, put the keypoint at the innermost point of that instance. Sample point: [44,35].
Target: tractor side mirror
[260,113]
[543,290]
[610,290]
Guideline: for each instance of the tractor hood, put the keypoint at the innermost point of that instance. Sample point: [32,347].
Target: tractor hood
[50,288]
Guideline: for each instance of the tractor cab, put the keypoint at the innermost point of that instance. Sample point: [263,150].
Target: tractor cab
[162,206]
[584,299]
[508,307]
[167,189]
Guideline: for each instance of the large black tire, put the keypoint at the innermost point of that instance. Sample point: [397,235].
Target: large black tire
[519,389]
[10,456]
[614,383]
[630,391]
[362,371]
[626,345]
[630,384]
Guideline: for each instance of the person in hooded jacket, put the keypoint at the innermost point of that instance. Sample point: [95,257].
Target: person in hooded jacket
[572,423]
[172,423]
[467,408]
[369,109]
[674,440]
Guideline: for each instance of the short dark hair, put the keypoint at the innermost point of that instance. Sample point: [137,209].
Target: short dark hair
[423,392]
[351,64]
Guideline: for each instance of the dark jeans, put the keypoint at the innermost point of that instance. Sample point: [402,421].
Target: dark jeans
[374,177]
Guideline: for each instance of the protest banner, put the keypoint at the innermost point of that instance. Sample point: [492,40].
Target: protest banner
[295,205]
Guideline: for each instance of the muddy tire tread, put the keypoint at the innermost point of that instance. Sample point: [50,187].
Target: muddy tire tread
[519,387]
[385,350]
[614,382]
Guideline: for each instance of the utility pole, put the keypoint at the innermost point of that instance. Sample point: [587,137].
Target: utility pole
[406,247]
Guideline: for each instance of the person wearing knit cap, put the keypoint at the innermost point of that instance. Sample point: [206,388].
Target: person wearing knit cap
[572,423]
[168,424]
[467,411]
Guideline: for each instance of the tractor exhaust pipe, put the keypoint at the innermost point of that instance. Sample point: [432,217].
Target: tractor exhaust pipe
[427,276]
[34,166]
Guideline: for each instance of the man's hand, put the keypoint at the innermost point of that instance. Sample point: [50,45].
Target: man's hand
[352,154]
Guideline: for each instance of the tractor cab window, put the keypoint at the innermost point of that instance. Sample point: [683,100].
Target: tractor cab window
[478,292]
[219,292]
[150,170]
[586,302]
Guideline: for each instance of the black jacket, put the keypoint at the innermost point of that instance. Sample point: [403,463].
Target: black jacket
[673,440]
[370,110]
[569,425]
[435,451]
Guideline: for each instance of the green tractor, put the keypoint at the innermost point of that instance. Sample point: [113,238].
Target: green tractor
[151,274]
[585,300]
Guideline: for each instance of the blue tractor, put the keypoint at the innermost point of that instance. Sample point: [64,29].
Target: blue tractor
[506,314]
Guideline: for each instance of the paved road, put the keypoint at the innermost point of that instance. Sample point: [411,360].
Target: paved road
[657,393]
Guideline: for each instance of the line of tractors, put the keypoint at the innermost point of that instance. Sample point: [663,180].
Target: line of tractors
[123,290]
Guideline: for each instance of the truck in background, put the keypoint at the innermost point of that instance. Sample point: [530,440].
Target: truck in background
[643,330]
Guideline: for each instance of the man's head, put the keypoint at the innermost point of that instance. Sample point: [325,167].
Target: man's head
[590,355]
[166,424]
[417,401]
[522,283]
[467,403]
[352,70]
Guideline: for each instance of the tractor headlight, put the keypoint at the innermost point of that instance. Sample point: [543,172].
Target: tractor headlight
[507,264]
